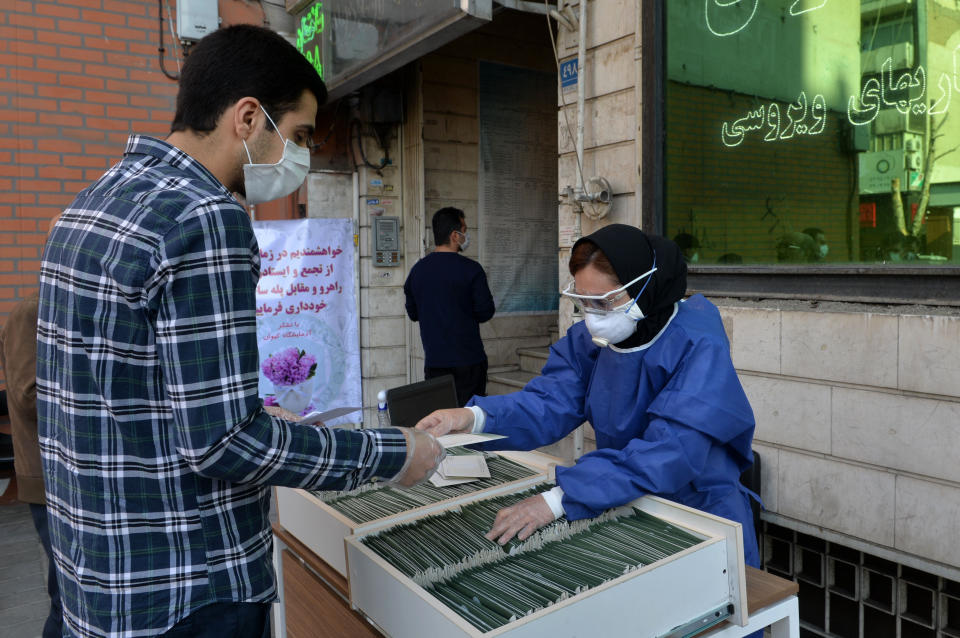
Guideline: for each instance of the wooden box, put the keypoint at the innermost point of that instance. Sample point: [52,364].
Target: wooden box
[683,590]
[322,528]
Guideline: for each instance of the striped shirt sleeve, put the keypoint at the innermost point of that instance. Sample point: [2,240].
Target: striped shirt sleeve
[203,291]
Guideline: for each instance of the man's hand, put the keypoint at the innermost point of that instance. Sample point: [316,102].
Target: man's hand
[281,413]
[520,520]
[447,421]
[424,454]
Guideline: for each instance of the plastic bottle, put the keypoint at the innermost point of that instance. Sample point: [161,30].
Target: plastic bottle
[383,415]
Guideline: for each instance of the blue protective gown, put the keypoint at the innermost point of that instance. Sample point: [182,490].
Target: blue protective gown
[670,418]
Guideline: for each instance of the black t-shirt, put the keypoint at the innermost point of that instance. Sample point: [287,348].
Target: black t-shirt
[448,294]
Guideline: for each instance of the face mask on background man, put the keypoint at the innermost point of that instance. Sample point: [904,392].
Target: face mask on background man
[465,243]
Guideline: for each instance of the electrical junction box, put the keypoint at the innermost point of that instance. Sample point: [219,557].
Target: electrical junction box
[386,241]
[196,18]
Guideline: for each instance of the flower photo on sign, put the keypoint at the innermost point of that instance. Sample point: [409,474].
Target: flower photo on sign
[289,367]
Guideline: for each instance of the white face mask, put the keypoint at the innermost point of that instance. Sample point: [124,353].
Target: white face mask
[266,182]
[611,327]
[465,243]
[824,251]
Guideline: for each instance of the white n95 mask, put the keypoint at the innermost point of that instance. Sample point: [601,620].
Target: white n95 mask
[266,182]
[613,326]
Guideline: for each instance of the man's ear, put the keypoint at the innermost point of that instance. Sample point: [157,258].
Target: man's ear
[247,117]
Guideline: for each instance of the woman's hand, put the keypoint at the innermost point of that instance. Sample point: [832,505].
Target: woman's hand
[447,421]
[521,520]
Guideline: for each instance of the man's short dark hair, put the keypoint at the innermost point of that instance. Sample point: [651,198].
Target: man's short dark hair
[813,231]
[445,221]
[237,62]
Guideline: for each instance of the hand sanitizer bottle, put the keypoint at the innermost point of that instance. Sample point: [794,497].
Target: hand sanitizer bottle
[383,416]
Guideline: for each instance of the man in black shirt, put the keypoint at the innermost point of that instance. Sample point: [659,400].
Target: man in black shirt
[448,294]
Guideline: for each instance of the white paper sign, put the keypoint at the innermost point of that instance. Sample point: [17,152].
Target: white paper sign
[306,300]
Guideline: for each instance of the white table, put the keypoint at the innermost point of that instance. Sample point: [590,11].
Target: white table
[771,602]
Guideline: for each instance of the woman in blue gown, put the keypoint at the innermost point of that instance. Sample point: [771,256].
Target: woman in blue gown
[652,374]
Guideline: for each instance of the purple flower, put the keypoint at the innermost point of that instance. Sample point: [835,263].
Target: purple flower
[289,367]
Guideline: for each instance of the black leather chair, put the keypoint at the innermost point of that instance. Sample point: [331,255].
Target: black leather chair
[751,480]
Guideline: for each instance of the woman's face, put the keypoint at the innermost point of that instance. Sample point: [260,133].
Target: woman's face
[591,281]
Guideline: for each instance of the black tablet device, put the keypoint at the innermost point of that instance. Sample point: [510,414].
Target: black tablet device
[408,404]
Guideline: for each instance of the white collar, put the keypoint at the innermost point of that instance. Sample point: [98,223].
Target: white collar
[676,307]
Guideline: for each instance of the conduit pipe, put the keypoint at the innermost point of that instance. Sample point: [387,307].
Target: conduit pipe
[581,98]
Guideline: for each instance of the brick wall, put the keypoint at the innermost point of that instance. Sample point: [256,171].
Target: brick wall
[76,78]
[742,199]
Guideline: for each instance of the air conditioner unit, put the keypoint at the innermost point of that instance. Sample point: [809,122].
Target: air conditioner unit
[892,121]
[870,8]
[196,18]
[901,53]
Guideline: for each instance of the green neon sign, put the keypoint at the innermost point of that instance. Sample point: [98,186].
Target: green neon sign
[309,36]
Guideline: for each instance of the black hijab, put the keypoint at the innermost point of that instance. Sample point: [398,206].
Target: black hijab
[631,253]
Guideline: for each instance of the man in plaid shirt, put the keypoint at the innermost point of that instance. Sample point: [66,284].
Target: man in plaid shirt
[156,449]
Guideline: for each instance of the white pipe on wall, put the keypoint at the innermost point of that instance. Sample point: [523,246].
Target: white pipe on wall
[356,264]
[581,88]
[581,98]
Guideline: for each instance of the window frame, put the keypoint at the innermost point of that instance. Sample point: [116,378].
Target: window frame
[855,282]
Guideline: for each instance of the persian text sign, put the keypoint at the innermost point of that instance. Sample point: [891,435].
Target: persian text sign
[306,299]
[309,31]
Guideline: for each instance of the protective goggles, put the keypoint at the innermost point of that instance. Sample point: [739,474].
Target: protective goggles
[608,302]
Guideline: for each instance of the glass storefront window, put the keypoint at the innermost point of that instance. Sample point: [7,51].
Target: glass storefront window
[813,131]
[366,39]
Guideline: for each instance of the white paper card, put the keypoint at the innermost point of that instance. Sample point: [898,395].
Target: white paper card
[456,440]
[468,465]
[329,415]
[439,481]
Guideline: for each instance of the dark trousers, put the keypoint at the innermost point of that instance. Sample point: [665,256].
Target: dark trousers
[224,620]
[53,626]
[469,380]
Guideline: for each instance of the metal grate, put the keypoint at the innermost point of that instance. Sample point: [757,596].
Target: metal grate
[845,593]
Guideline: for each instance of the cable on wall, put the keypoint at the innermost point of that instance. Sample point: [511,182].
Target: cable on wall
[160,49]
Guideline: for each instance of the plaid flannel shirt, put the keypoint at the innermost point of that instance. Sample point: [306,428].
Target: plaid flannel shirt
[156,449]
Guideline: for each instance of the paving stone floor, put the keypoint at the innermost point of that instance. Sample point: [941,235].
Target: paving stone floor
[24,603]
